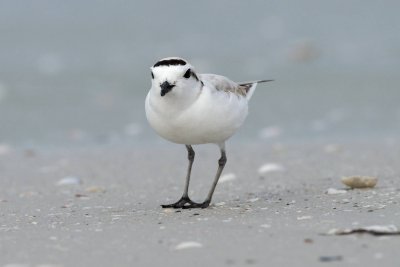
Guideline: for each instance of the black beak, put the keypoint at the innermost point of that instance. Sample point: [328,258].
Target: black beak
[166,87]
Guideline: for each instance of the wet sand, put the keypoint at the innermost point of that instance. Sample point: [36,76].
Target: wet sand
[100,206]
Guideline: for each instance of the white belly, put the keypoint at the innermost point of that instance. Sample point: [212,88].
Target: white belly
[213,118]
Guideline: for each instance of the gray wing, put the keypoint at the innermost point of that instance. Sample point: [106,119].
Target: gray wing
[222,83]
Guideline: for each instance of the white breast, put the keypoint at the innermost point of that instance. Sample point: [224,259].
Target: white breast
[212,118]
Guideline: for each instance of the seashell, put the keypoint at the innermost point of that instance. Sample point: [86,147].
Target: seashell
[360,181]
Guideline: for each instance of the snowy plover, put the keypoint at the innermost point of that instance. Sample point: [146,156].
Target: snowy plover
[191,109]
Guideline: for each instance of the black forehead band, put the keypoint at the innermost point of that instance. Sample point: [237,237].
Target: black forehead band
[169,62]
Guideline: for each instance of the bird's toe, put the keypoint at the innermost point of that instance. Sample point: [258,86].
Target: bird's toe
[179,204]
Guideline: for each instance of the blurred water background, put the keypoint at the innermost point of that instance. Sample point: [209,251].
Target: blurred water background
[77,72]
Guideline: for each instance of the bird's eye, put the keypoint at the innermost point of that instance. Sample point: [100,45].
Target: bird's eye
[152,75]
[187,74]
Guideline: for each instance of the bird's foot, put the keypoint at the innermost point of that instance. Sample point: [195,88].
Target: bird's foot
[193,205]
[181,203]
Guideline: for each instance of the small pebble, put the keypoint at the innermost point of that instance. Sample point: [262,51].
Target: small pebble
[330,258]
[360,181]
[168,210]
[226,178]
[69,180]
[253,199]
[333,191]
[304,218]
[187,245]
[81,196]
[270,167]
[66,206]
[308,241]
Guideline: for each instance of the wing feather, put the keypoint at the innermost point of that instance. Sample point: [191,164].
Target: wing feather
[222,83]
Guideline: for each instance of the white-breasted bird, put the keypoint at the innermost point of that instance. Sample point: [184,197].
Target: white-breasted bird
[191,109]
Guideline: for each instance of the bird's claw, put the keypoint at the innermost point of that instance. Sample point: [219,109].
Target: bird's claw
[187,203]
[180,204]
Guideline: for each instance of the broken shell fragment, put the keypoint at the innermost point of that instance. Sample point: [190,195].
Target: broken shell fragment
[227,177]
[189,244]
[334,191]
[270,167]
[376,230]
[69,180]
[360,181]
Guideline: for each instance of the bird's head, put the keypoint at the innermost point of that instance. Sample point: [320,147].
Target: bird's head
[173,76]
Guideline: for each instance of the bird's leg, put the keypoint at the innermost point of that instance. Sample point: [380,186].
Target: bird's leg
[221,165]
[185,197]
[189,171]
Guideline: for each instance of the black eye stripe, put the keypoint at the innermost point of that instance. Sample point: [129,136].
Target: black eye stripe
[152,75]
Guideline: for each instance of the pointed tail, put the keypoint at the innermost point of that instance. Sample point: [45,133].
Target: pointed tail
[250,87]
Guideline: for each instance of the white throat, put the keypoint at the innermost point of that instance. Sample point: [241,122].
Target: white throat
[177,100]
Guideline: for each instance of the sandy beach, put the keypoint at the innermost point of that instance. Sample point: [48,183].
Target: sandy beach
[101,206]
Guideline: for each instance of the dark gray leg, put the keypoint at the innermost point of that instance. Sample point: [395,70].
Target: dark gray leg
[189,170]
[221,165]
[185,197]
